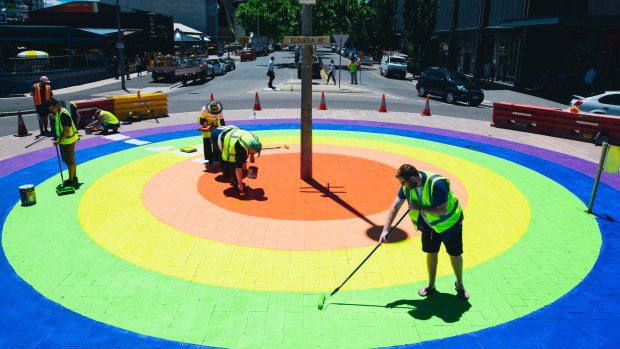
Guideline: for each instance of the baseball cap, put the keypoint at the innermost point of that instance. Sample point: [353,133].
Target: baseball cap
[44,79]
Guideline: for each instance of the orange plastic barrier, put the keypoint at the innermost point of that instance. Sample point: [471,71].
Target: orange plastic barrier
[556,122]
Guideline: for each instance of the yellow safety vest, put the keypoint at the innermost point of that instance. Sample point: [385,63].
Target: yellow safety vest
[73,136]
[111,117]
[231,138]
[439,223]
[206,119]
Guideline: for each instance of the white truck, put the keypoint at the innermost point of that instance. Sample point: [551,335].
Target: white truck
[260,44]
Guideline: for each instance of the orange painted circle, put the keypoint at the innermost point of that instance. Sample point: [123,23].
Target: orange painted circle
[176,196]
[342,187]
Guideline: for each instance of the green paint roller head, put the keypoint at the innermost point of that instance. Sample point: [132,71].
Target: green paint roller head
[321,301]
[64,190]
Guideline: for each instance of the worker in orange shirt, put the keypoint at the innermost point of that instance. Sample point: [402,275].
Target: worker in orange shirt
[41,93]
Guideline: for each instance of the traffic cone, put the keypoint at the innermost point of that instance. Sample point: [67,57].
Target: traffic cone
[383,107]
[323,106]
[211,99]
[256,102]
[21,126]
[427,108]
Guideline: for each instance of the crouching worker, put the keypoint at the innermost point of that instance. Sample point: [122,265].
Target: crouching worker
[237,147]
[105,121]
[65,137]
[211,117]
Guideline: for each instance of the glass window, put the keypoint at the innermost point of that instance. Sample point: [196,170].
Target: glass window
[613,99]
[397,60]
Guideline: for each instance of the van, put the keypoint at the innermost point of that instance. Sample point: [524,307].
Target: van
[393,65]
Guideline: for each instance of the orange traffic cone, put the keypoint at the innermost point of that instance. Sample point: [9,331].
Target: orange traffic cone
[383,107]
[427,108]
[21,126]
[256,102]
[211,99]
[323,106]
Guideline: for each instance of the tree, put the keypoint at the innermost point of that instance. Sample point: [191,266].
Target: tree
[420,17]
[276,18]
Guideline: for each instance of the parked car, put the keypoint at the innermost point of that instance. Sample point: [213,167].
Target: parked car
[365,59]
[225,65]
[395,65]
[317,66]
[231,63]
[217,66]
[291,47]
[247,54]
[451,85]
[205,61]
[604,103]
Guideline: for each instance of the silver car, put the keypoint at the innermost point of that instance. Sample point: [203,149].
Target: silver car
[605,103]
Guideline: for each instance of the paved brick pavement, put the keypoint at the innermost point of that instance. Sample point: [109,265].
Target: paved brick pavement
[153,252]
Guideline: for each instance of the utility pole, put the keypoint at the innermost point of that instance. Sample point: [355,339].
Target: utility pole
[120,46]
[306,91]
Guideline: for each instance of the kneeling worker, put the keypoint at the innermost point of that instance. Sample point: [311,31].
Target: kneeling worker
[237,146]
[106,121]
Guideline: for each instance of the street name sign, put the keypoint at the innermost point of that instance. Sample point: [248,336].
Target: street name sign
[305,40]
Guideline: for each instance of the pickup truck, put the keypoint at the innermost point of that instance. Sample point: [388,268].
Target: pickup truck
[184,69]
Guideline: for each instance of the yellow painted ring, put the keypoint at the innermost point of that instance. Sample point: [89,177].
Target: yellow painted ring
[140,239]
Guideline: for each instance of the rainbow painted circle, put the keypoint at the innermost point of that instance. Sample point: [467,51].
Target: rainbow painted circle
[153,245]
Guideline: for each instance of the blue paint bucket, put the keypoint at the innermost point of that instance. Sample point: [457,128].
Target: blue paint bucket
[27,195]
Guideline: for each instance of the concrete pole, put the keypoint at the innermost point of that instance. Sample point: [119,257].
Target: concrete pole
[120,46]
[306,95]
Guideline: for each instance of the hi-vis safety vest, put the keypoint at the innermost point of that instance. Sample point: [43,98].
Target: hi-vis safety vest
[439,223]
[37,94]
[73,135]
[231,138]
[111,117]
[206,118]
[353,67]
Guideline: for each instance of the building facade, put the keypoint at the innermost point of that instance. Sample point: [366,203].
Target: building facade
[531,44]
[208,16]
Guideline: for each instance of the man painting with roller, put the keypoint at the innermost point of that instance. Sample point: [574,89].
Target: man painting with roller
[66,136]
[237,146]
[435,212]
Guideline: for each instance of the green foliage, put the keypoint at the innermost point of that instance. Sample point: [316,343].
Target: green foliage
[272,18]
[420,17]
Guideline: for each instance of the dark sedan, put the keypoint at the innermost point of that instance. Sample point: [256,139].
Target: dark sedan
[451,85]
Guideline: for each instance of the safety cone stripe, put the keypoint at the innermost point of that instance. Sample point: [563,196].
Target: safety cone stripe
[256,102]
[323,106]
[427,108]
[383,107]
[21,126]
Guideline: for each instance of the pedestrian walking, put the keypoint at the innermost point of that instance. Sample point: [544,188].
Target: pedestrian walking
[331,69]
[435,212]
[126,64]
[41,93]
[589,81]
[115,67]
[352,67]
[138,63]
[66,136]
[270,73]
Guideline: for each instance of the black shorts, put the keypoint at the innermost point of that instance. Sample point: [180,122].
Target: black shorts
[451,238]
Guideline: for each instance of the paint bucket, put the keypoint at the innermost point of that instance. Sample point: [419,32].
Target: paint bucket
[27,195]
[252,172]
